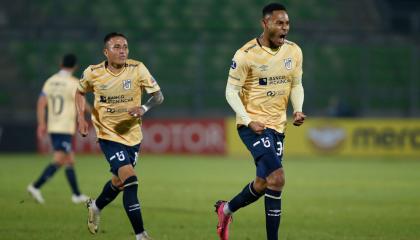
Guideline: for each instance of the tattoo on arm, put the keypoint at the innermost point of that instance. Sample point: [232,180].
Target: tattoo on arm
[154,100]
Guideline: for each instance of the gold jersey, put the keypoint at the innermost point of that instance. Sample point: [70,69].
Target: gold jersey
[60,91]
[115,94]
[266,77]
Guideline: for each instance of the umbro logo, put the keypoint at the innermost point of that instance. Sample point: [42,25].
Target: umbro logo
[263,68]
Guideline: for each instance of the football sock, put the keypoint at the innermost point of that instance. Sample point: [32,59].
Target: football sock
[48,173]
[108,194]
[244,198]
[131,204]
[272,213]
[71,177]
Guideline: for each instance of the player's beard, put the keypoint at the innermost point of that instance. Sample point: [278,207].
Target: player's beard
[276,39]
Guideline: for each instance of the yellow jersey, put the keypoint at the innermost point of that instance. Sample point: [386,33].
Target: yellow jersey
[114,95]
[266,76]
[60,91]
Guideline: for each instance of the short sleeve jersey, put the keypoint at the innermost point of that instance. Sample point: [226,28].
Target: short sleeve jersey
[266,76]
[60,91]
[114,95]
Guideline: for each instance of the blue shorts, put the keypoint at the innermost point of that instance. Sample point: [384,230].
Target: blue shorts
[267,149]
[118,154]
[61,142]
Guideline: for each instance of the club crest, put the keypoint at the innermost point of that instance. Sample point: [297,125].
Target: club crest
[288,63]
[127,84]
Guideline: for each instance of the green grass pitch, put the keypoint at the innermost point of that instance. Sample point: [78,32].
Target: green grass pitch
[326,198]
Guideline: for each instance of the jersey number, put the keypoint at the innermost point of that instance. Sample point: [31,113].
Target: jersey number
[266,143]
[57,104]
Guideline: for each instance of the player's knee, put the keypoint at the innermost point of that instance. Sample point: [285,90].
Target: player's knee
[276,180]
[260,185]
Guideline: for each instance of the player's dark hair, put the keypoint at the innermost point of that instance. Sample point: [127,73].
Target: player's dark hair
[69,60]
[270,8]
[113,34]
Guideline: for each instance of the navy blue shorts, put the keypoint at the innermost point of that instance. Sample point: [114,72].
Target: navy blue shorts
[118,154]
[267,149]
[61,142]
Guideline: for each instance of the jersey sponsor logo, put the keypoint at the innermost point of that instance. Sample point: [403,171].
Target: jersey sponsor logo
[233,65]
[263,81]
[273,80]
[127,84]
[275,93]
[116,110]
[288,63]
[115,99]
[277,80]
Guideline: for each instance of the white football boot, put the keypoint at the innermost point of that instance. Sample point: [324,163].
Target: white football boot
[35,193]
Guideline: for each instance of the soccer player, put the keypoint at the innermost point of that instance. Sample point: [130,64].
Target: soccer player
[264,73]
[117,85]
[58,95]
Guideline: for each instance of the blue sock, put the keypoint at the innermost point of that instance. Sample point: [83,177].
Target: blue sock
[108,194]
[244,198]
[71,178]
[272,213]
[48,172]
[131,204]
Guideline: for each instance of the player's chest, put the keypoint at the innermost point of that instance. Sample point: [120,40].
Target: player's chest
[116,85]
[272,72]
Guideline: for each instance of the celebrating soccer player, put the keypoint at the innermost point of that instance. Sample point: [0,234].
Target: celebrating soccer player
[264,73]
[117,84]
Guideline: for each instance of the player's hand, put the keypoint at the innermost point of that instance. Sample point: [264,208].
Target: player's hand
[83,127]
[137,112]
[298,118]
[41,130]
[257,127]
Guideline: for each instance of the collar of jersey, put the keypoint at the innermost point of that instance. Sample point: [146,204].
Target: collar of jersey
[267,49]
[113,74]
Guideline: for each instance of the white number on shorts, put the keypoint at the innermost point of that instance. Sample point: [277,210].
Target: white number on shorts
[135,159]
[280,148]
[266,142]
[120,156]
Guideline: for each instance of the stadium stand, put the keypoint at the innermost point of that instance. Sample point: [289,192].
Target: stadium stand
[188,46]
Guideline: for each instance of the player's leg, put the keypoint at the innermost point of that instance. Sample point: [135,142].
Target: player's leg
[249,194]
[131,203]
[59,145]
[109,192]
[271,163]
[111,188]
[76,197]
[275,183]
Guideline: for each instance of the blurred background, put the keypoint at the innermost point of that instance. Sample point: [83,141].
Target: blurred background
[361,57]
